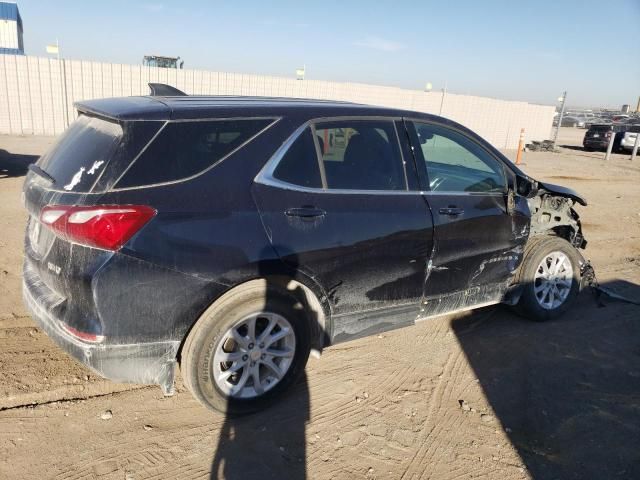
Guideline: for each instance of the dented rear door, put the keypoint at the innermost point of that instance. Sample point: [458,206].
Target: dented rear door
[367,249]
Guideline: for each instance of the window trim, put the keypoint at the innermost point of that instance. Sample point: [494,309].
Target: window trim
[265,176]
[274,120]
[414,120]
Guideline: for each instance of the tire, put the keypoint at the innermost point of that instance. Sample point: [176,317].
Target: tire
[211,336]
[534,303]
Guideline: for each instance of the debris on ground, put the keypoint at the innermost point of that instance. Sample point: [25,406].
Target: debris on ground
[543,146]
[107,415]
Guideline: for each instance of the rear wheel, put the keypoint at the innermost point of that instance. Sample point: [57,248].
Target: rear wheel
[550,278]
[246,349]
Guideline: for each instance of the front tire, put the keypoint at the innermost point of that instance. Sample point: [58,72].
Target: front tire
[247,349]
[550,278]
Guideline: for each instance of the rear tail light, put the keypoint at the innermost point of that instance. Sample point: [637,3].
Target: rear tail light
[608,134]
[104,226]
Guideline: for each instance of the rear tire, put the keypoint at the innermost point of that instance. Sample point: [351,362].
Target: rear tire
[220,355]
[550,278]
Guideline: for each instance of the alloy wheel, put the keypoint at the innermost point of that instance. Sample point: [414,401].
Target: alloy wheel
[553,280]
[254,355]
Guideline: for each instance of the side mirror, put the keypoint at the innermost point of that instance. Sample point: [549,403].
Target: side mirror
[526,187]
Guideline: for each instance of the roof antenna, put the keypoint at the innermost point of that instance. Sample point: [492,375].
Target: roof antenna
[163,90]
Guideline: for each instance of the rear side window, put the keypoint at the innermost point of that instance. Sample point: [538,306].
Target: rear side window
[299,165]
[184,149]
[82,153]
[361,155]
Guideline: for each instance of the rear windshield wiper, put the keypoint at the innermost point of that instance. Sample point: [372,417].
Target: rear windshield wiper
[38,171]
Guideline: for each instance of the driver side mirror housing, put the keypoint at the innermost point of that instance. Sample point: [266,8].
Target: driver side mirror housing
[526,187]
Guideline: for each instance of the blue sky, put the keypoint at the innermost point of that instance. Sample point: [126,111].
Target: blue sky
[505,49]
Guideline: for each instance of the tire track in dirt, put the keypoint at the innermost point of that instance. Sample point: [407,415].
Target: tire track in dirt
[439,419]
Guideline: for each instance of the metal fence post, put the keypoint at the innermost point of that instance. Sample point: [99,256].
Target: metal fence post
[610,147]
[444,94]
[634,152]
[557,130]
[65,98]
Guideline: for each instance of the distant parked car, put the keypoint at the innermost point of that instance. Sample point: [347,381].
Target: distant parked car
[620,118]
[597,137]
[573,122]
[597,121]
[629,137]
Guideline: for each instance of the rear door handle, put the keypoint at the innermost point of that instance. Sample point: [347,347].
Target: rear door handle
[305,212]
[451,211]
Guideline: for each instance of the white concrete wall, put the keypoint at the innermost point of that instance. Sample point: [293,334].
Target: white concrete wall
[38,94]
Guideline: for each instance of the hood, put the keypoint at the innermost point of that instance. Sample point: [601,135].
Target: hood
[563,192]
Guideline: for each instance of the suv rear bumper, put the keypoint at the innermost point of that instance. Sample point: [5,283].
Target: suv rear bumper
[147,363]
[596,143]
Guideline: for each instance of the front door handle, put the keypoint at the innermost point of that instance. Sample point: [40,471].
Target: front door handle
[451,210]
[305,212]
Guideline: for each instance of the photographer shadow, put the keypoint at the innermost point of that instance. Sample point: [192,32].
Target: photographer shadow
[271,443]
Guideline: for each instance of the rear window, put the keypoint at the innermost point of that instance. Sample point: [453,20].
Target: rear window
[600,128]
[82,153]
[184,149]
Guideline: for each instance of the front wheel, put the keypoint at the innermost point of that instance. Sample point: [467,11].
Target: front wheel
[550,278]
[246,349]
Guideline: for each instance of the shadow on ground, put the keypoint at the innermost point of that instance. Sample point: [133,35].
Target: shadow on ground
[567,392]
[15,165]
[266,445]
[270,444]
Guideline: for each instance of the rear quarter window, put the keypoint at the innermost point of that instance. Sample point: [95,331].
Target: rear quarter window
[184,149]
[299,166]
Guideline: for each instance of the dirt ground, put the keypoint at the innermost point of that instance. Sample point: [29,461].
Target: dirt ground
[485,395]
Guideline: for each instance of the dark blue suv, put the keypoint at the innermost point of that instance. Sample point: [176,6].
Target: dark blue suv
[232,236]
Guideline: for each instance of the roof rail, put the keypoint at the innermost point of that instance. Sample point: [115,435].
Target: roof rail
[163,90]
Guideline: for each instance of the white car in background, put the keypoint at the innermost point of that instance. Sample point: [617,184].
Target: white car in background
[629,138]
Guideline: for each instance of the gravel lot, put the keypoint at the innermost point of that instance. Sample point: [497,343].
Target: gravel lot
[484,395]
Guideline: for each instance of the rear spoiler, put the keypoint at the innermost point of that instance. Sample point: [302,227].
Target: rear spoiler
[163,90]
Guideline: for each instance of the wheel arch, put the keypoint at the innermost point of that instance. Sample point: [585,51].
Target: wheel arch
[304,289]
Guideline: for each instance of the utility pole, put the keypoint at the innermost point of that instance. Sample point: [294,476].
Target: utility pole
[55,49]
[563,99]
[444,94]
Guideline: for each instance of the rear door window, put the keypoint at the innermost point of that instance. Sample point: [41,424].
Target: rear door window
[82,153]
[184,149]
[361,155]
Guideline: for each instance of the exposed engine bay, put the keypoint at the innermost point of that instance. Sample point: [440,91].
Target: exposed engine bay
[556,213]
